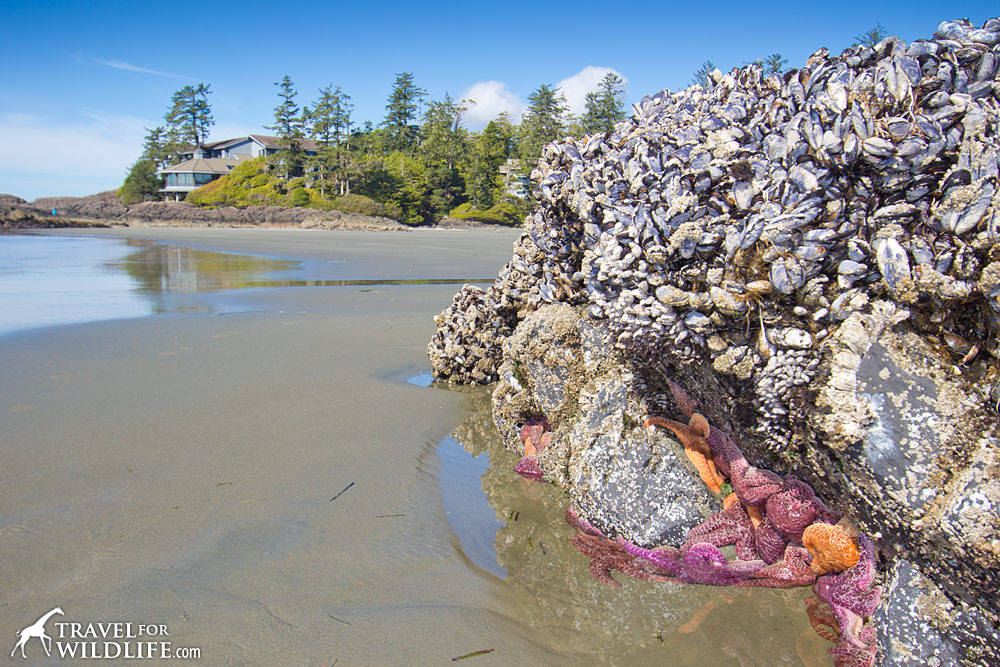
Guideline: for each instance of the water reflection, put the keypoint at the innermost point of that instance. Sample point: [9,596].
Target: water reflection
[47,280]
[159,270]
[585,620]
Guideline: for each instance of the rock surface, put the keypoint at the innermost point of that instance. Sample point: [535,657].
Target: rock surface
[815,258]
[629,481]
[106,209]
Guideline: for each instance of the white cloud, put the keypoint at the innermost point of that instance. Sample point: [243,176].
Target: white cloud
[96,150]
[576,87]
[118,64]
[491,98]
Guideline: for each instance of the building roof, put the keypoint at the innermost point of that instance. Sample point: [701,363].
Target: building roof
[212,165]
[265,140]
[275,142]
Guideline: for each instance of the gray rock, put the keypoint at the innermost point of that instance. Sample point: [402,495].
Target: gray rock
[627,480]
[918,626]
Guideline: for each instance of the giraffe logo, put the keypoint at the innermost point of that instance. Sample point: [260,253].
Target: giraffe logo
[36,629]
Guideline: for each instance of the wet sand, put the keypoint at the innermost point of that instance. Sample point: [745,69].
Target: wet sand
[179,470]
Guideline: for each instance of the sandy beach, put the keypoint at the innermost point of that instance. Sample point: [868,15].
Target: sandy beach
[185,469]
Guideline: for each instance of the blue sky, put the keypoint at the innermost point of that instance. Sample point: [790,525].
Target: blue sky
[81,80]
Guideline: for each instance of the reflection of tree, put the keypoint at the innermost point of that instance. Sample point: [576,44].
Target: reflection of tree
[159,270]
[575,615]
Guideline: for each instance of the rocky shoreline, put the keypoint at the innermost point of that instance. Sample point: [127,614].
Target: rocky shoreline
[815,259]
[106,210]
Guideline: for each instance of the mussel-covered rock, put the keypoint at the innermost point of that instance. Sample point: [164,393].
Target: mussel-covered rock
[767,235]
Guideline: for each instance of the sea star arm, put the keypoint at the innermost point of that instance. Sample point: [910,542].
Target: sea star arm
[692,437]
[731,526]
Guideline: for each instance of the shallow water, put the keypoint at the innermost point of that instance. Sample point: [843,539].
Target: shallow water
[54,279]
[577,616]
[272,549]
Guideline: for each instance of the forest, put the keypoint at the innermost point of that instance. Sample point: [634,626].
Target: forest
[417,166]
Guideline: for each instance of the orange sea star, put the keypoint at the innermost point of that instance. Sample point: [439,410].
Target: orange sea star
[833,548]
[693,436]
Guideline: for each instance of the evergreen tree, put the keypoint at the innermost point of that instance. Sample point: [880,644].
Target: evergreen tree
[331,126]
[702,77]
[492,148]
[773,64]
[543,122]
[141,184]
[288,118]
[289,124]
[190,115]
[443,144]
[401,112]
[872,36]
[605,106]
[331,116]
[161,146]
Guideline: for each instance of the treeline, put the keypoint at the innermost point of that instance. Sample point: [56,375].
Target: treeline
[418,165]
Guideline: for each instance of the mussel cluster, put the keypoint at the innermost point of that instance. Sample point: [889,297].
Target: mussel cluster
[742,222]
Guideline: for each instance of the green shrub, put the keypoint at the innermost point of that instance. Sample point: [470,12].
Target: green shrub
[502,213]
[141,184]
[363,205]
[210,194]
[299,197]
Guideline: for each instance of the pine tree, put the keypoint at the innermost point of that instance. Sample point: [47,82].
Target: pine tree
[160,147]
[401,112]
[288,118]
[773,64]
[872,36]
[605,106]
[491,150]
[289,123]
[141,184]
[543,122]
[331,127]
[190,115]
[703,76]
[442,145]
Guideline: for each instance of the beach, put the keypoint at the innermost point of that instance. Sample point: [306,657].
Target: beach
[265,481]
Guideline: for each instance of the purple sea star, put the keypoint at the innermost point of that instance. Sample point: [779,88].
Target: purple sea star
[769,544]
[730,526]
[792,510]
[528,468]
[606,555]
[848,655]
[789,572]
[852,597]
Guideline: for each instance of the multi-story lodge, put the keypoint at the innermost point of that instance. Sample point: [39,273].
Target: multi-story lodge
[205,163]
